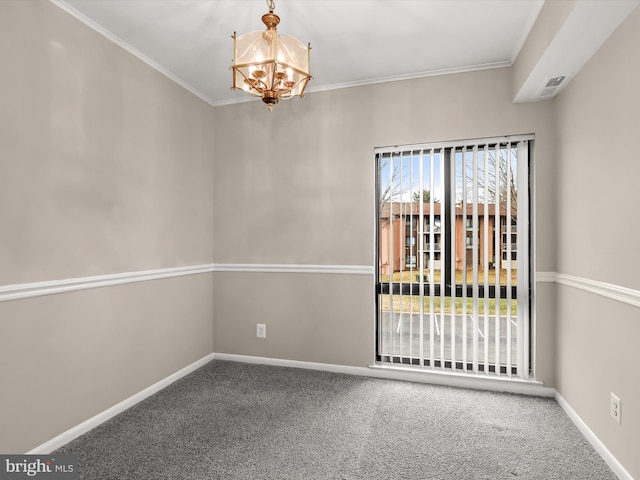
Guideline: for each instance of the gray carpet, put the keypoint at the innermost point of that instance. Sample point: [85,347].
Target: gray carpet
[231,420]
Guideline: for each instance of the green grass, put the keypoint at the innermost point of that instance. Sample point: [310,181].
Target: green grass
[407,304]
[412,276]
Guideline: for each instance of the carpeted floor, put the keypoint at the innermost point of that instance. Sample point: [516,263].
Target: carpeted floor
[241,421]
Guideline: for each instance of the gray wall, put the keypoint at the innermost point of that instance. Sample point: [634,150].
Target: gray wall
[598,229]
[105,167]
[296,186]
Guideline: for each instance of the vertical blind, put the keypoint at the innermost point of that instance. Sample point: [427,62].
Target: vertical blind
[453,256]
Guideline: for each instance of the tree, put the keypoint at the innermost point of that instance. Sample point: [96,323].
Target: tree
[501,178]
[390,191]
[426,197]
[505,179]
[393,188]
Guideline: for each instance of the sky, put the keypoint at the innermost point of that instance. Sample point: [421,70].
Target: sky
[412,172]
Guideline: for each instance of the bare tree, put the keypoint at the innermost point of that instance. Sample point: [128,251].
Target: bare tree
[500,183]
[393,189]
[506,183]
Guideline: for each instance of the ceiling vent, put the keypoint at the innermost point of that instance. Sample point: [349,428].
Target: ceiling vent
[551,86]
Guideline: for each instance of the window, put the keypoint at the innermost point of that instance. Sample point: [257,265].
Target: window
[458,297]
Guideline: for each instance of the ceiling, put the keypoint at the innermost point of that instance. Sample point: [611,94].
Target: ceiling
[354,42]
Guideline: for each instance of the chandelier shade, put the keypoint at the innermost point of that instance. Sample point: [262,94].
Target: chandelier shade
[269,65]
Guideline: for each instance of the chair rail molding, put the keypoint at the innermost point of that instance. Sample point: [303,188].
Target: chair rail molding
[608,290]
[294,268]
[50,287]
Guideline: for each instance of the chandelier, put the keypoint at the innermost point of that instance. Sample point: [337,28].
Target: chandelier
[271,66]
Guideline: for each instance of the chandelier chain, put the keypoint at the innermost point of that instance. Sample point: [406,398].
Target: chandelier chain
[271,5]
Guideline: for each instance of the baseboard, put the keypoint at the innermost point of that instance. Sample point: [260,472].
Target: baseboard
[397,373]
[279,362]
[462,380]
[93,422]
[453,380]
[591,437]
[511,386]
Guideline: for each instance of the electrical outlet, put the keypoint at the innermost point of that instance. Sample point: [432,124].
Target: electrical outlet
[615,409]
[261,330]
